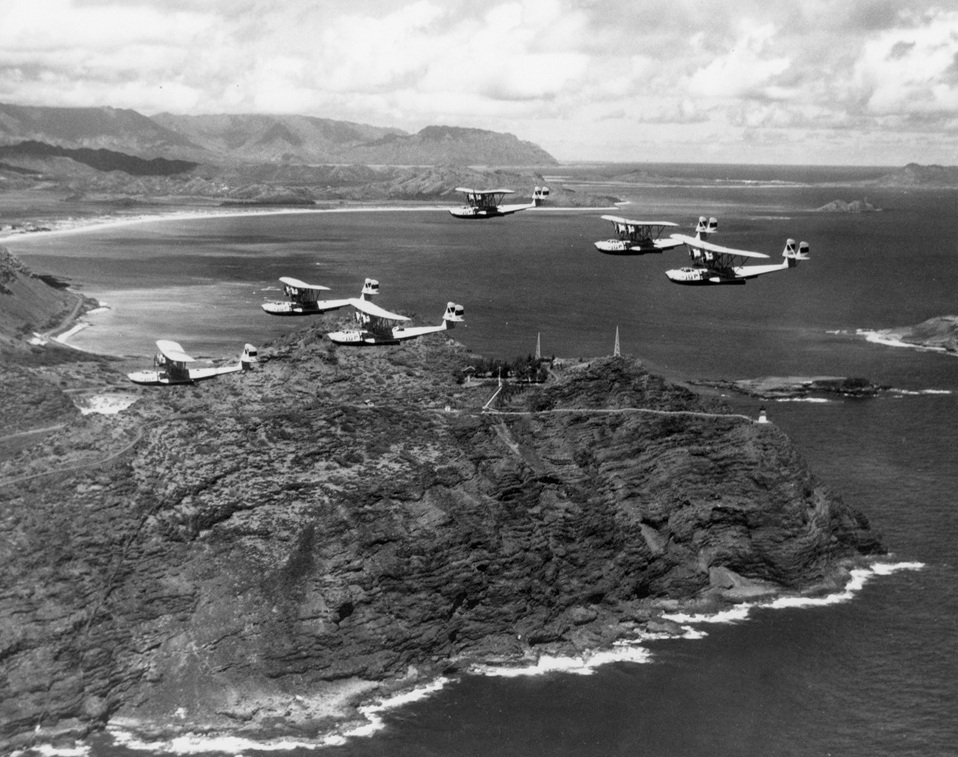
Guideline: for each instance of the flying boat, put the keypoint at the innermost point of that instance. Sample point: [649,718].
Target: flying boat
[171,366]
[637,237]
[488,203]
[378,326]
[303,299]
[713,264]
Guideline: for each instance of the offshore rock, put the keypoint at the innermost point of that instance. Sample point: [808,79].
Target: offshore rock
[260,552]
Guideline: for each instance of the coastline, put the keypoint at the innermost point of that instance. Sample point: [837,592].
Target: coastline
[64,227]
[360,714]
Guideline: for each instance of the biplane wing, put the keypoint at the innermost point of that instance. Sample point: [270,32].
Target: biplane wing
[701,244]
[297,284]
[637,237]
[468,191]
[367,307]
[172,351]
[618,219]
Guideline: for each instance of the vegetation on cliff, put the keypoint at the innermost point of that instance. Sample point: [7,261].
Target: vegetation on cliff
[257,551]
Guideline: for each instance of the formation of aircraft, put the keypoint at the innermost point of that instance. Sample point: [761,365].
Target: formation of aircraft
[170,366]
[487,203]
[713,264]
[637,237]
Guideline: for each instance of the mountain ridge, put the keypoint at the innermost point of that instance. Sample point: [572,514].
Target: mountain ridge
[261,138]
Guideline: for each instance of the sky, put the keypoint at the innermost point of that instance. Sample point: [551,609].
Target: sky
[856,82]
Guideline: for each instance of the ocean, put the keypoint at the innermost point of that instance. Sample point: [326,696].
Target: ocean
[871,671]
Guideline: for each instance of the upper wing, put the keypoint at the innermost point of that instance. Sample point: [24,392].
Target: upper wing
[172,351]
[485,191]
[365,306]
[701,244]
[289,281]
[617,219]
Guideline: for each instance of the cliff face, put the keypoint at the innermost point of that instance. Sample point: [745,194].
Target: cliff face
[336,518]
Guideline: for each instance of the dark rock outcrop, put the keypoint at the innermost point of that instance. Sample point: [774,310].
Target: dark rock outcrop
[258,551]
[841,206]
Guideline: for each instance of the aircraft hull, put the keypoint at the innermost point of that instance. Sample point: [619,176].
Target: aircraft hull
[359,339]
[155,378]
[700,277]
[620,247]
[289,308]
[470,214]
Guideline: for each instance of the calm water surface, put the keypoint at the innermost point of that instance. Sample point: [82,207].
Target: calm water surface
[876,675]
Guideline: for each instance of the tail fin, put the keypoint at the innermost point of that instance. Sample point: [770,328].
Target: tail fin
[249,357]
[370,288]
[539,194]
[454,314]
[792,255]
[706,227]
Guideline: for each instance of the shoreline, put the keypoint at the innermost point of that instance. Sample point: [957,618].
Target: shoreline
[361,715]
[97,223]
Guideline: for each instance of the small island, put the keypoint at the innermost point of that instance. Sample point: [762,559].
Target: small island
[797,387]
[841,206]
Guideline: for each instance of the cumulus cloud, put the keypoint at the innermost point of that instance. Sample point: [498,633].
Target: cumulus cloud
[592,76]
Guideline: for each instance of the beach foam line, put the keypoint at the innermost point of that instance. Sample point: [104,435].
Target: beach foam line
[630,651]
[198,743]
[65,336]
[48,750]
[83,227]
[890,340]
[856,582]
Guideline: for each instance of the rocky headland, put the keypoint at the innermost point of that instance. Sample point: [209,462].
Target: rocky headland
[939,333]
[262,552]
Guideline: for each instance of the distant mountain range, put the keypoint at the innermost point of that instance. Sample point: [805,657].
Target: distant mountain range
[261,139]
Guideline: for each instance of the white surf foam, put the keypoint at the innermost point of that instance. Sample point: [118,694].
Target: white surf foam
[890,340]
[814,400]
[857,580]
[105,404]
[197,743]
[48,750]
[586,664]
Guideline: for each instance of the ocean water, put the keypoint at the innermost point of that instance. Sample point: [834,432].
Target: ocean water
[872,672]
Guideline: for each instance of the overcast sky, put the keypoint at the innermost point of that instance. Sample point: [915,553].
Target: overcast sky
[870,82]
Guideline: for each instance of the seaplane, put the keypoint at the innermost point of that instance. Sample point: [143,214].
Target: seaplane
[713,264]
[303,299]
[637,237]
[487,203]
[171,366]
[378,326]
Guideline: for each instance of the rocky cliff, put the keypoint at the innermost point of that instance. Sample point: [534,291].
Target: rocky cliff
[258,552]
